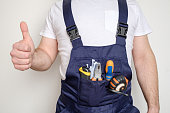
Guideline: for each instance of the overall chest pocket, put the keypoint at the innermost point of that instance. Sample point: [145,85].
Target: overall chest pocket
[94,93]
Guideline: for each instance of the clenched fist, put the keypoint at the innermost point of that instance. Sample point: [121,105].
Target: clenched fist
[22,52]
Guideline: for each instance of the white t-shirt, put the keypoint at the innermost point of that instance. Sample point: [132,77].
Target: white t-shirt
[97,23]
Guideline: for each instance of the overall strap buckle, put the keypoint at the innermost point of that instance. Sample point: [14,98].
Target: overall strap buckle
[122,30]
[73,32]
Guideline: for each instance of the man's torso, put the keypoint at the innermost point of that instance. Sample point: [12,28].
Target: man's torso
[97,23]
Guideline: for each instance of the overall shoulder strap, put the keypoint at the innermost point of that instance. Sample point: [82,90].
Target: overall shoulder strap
[73,32]
[122,27]
[71,27]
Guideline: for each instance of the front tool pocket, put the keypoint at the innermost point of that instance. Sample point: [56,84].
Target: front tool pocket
[91,92]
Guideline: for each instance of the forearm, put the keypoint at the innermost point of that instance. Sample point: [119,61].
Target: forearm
[147,75]
[41,61]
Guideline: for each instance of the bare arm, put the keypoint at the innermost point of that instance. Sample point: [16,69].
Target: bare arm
[45,54]
[146,70]
[25,56]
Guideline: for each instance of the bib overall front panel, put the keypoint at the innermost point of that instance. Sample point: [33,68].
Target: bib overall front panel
[80,94]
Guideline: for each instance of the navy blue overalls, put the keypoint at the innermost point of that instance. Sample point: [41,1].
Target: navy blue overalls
[79,95]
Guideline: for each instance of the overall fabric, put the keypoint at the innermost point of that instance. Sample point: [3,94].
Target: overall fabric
[79,95]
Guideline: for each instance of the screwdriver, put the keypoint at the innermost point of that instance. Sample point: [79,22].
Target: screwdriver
[109,69]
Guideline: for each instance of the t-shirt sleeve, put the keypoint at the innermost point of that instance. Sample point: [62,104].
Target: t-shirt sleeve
[48,30]
[142,26]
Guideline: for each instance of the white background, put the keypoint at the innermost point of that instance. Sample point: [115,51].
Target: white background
[37,92]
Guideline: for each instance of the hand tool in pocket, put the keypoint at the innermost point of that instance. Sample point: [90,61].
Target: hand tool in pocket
[85,72]
[92,67]
[109,69]
[118,84]
[97,73]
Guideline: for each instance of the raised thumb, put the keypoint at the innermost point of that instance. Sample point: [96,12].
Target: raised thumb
[24,30]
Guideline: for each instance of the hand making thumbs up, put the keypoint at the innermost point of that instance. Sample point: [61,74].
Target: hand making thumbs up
[23,50]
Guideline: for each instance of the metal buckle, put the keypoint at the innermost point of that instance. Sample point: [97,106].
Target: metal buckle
[122,30]
[73,33]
